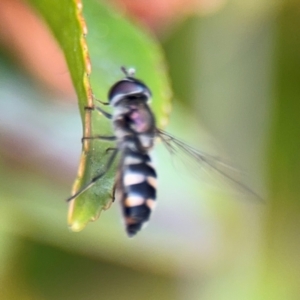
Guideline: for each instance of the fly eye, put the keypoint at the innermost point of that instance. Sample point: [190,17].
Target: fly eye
[127,89]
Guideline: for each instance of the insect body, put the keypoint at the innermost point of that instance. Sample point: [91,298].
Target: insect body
[135,133]
[134,127]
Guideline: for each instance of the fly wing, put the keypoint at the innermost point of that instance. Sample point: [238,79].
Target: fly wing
[206,162]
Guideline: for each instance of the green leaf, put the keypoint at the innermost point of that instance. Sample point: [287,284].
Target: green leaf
[112,42]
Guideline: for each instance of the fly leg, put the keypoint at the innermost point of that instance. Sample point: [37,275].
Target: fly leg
[103,112]
[110,149]
[111,159]
[117,189]
[97,177]
[100,101]
[114,192]
[99,137]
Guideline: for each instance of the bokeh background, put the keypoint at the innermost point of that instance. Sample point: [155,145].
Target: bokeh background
[235,72]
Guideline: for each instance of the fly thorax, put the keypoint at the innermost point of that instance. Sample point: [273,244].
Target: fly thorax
[140,120]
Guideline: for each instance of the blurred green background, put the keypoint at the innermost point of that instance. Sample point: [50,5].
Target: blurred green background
[235,74]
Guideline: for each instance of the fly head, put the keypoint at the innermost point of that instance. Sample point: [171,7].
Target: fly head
[129,90]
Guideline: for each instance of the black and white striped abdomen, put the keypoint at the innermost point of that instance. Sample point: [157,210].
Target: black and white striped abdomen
[139,189]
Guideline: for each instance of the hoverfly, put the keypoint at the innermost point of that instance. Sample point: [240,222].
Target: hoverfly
[135,133]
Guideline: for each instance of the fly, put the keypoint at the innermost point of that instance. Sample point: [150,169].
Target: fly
[135,133]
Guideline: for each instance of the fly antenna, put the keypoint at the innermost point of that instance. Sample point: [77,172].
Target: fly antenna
[130,72]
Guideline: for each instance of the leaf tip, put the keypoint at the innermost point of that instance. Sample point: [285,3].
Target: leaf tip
[76,226]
